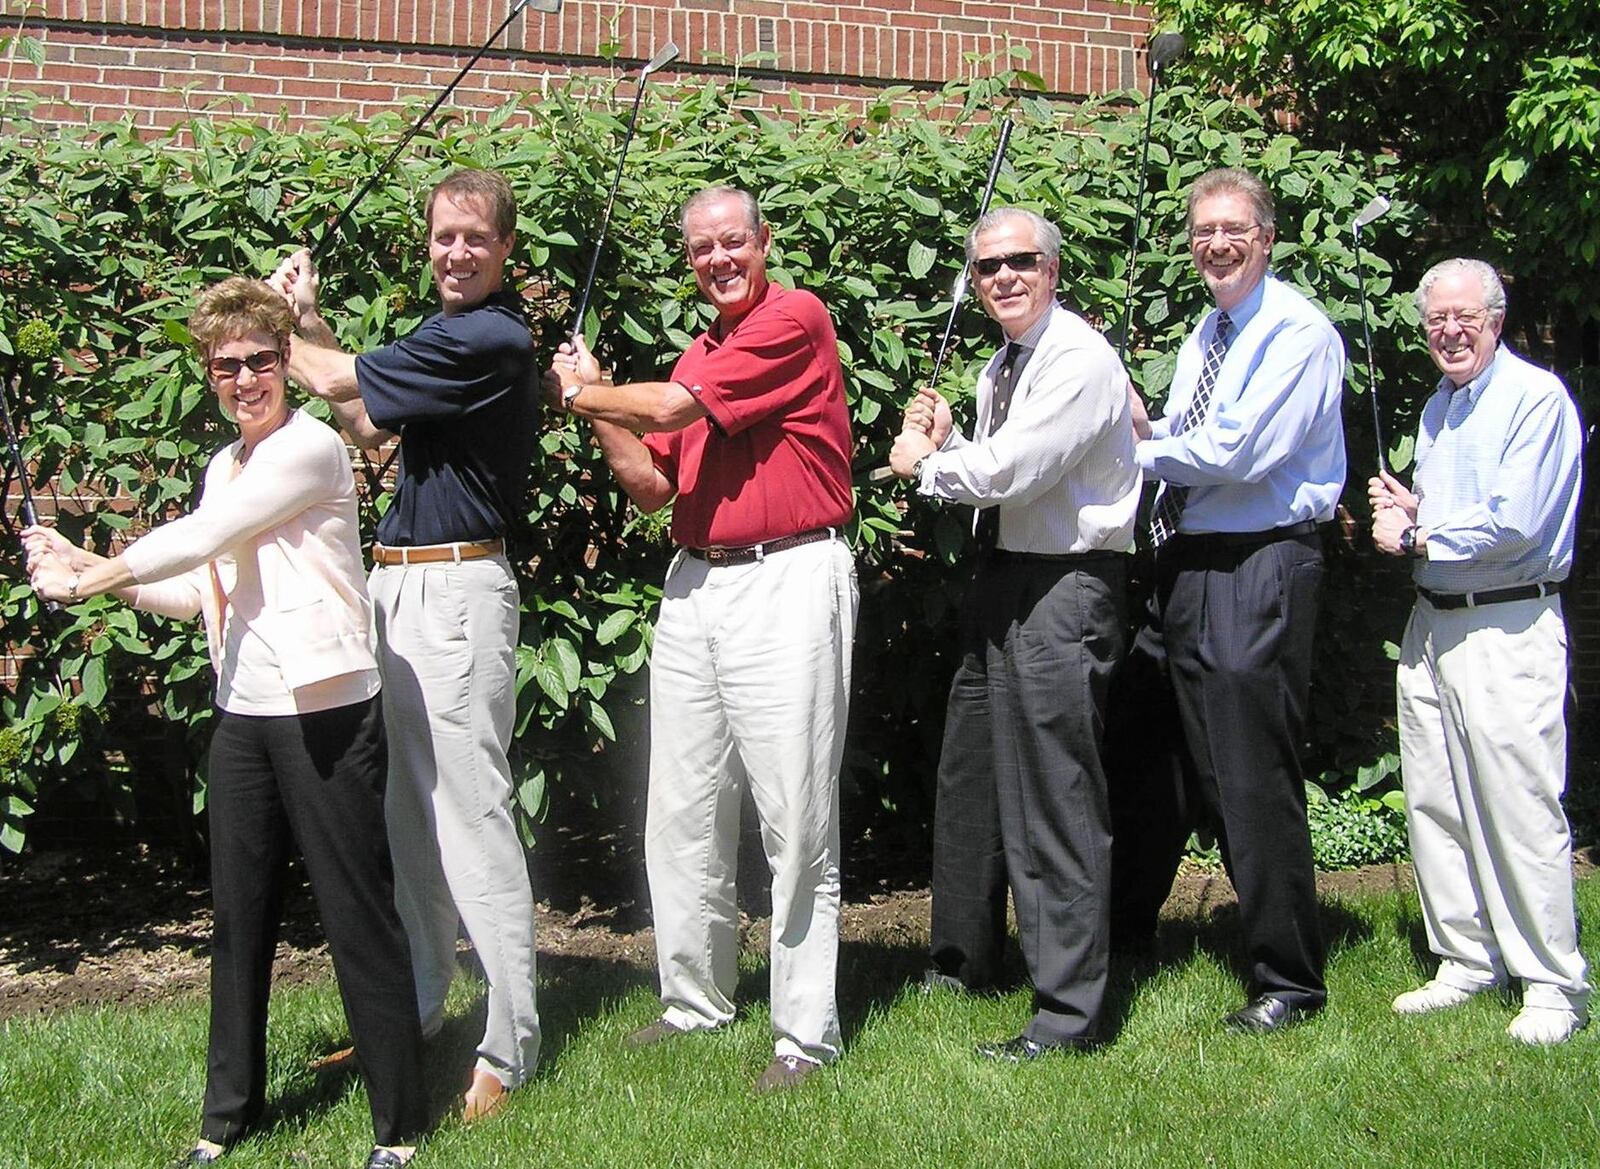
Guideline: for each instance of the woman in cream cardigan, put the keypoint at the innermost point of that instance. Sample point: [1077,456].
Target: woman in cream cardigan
[272,560]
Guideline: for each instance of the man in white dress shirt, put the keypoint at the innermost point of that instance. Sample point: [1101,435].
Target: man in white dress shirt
[1021,791]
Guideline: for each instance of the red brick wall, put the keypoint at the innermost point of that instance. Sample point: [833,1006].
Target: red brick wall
[310,58]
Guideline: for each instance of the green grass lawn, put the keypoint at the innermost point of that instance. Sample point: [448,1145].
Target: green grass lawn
[1356,1086]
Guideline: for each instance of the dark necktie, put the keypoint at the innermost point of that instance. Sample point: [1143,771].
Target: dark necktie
[1005,382]
[1168,508]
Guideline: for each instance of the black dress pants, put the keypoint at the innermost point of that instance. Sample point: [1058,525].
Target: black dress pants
[1223,658]
[315,780]
[1021,791]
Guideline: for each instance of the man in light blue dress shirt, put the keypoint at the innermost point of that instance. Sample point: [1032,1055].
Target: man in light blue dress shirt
[1489,523]
[1249,459]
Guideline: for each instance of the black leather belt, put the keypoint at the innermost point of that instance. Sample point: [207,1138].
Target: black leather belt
[1097,555]
[1488,596]
[1241,539]
[717,557]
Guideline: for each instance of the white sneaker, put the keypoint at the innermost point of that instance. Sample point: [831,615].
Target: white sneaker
[1545,1026]
[1432,995]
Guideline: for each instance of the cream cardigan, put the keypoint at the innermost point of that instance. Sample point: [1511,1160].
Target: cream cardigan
[272,559]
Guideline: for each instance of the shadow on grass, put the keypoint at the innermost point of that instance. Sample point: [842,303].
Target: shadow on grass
[573,993]
[1217,933]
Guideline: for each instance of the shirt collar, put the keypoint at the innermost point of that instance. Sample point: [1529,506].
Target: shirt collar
[1242,313]
[1031,339]
[1480,383]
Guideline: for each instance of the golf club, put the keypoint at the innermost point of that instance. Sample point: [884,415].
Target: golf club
[1163,50]
[30,514]
[960,291]
[328,236]
[664,56]
[1374,210]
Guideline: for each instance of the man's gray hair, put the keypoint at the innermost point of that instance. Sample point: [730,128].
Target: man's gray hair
[710,195]
[1231,180]
[1494,292]
[1046,235]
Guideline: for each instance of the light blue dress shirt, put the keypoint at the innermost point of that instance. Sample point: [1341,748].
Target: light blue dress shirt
[1271,453]
[1498,466]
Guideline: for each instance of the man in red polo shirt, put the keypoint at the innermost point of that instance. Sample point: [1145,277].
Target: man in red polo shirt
[750,671]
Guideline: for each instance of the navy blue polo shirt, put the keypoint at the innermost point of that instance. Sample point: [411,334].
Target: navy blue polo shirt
[462,392]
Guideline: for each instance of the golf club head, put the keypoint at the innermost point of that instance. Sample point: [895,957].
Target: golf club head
[1376,209]
[665,55]
[547,6]
[1165,48]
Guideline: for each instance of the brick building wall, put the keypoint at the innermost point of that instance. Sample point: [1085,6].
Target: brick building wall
[153,59]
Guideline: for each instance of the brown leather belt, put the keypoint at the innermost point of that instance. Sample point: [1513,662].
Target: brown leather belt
[437,553]
[717,557]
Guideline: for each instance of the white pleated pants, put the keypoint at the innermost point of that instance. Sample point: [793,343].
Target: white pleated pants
[1483,754]
[750,684]
[447,636]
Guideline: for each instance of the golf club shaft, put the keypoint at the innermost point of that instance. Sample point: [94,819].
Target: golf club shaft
[30,514]
[605,216]
[960,292]
[1138,218]
[1372,373]
[366,187]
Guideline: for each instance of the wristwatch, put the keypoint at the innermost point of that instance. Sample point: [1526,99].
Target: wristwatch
[568,394]
[916,469]
[1408,541]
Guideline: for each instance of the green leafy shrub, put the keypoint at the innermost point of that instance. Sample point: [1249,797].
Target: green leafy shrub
[1349,829]
[107,236]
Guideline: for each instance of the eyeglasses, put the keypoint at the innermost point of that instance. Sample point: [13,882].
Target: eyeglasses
[227,368]
[1016,261]
[1467,318]
[1234,233]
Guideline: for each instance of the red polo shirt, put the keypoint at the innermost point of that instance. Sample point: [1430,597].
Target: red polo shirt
[773,457]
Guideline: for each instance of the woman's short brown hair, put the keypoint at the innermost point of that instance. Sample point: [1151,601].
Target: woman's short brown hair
[235,307]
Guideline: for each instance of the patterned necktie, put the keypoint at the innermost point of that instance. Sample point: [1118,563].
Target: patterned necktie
[988,530]
[1168,507]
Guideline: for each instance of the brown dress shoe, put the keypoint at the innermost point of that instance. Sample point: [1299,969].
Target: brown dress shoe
[485,1097]
[784,1072]
[652,1033]
[334,1061]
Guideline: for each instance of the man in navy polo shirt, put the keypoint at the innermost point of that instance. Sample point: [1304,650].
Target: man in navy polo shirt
[750,671]
[461,392]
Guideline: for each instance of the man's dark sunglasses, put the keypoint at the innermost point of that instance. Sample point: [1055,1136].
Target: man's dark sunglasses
[1016,261]
[261,361]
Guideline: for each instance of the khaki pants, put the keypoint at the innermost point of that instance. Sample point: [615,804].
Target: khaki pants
[447,635]
[1483,749]
[750,684]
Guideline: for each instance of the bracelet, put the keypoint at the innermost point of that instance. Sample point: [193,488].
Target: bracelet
[72,589]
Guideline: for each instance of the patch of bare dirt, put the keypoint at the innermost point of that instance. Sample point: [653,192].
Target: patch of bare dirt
[132,925]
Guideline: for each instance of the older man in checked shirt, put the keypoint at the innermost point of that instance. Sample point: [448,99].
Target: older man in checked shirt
[1489,525]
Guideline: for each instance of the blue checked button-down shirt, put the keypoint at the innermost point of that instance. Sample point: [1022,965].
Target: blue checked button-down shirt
[1498,466]
[1271,450]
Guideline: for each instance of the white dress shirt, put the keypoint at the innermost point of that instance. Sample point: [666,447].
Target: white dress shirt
[1061,469]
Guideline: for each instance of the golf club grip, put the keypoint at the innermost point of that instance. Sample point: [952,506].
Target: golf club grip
[321,246]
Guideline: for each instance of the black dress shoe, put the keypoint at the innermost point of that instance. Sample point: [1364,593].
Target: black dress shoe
[381,1158]
[196,1156]
[1267,1012]
[1021,1049]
